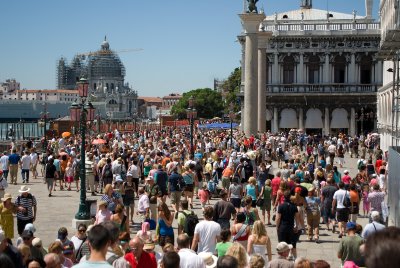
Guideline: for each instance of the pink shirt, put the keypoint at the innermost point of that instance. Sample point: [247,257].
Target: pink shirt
[103,216]
[203,196]
[346,179]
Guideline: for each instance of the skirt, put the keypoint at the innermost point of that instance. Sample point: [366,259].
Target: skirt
[69,179]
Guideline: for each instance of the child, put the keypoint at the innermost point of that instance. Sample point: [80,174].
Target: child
[204,197]
[69,175]
[225,243]
[103,214]
[365,199]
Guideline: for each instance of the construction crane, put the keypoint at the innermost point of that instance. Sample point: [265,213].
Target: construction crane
[83,56]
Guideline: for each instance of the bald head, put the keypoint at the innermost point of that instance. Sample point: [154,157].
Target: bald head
[183,241]
[52,260]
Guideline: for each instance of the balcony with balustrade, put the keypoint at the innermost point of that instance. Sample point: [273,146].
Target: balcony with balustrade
[335,88]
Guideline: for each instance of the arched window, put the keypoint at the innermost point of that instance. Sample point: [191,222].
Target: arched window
[288,70]
[340,69]
[365,70]
[313,70]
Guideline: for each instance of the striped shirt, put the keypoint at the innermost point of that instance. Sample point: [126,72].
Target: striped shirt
[27,202]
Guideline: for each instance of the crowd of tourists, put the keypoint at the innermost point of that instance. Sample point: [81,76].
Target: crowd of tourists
[290,181]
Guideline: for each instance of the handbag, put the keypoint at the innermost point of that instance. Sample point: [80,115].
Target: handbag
[346,201]
[152,223]
[260,202]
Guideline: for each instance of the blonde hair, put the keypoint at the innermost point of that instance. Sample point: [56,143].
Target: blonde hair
[107,188]
[302,263]
[168,248]
[24,250]
[258,230]
[256,261]
[268,182]
[252,180]
[237,251]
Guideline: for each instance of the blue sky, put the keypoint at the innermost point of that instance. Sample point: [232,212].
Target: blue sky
[186,43]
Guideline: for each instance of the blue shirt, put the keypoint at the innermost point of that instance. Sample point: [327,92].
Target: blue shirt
[251,190]
[14,159]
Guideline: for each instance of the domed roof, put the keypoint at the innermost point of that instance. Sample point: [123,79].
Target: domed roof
[105,63]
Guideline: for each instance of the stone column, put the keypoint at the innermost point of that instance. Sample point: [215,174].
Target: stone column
[327,71]
[301,118]
[262,81]
[352,130]
[275,118]
[275,71]
[380,72]
[300,70]
[352,68]
[251,23]
[326,123]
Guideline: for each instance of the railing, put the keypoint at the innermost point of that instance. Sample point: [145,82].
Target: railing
[321,88]
[322,27]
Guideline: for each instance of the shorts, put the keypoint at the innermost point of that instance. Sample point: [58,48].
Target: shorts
[176,197]
[267,205]
[286,234]
[164,239]
[342,214]
[69,179]
[128,201]
[327,214]
[189,188]
[236,202]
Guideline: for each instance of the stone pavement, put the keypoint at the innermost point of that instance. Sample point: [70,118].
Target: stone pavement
[59,210]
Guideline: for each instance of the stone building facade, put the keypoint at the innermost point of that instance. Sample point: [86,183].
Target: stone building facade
[310,69]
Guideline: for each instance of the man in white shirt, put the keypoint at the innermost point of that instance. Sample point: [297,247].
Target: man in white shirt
[342,213]
[188,258]
[34,161]
[143,204]
[25,166]
[206,233]
[5,164]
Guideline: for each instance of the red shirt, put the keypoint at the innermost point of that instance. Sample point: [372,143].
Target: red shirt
[147,260]
[275,185]
[346,179]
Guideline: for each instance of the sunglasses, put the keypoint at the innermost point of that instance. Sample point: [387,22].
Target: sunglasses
[81,231]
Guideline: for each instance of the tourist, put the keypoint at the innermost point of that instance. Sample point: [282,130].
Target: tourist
[239,252]
[375,198]
[235,193]
[170,260]
[5,165]
[252,190]
[287,215]
[69,175]
[227,262]
[27,238]
[374,226]
[138,258]
[25,252]
[57,248]
[153,192]
[349,246]
[121,220]
[26,208]
[283,250]
[144,233]
[342,213]
[250,211]
[161,179]
[355,201]
[188,257]
[327,194]
[143,204]
[51,174]
[128,195]
[302,263]
[204,196]
[259,242]
[265,195]
[189,179]
[90,170]
[14,160]
[112,198]
[206,233]
[106,173]
[175,188]
[313,215]
[103,213]
[9,250]
[165,232]
[79,239]
[7,209]
[99,240]
[224,211]
[225,243]
[53,260]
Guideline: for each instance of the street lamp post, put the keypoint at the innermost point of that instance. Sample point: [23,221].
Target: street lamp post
[44,116]
[82,112]
[191,115]
[231,117]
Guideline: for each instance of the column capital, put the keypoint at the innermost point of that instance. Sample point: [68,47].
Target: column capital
[251,22]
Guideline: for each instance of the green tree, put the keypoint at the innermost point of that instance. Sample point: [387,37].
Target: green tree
[231,87]
[207,102]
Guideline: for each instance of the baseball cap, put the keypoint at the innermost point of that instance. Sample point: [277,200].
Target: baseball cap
[346,172]
[27,234]
[283,246]
[351,225]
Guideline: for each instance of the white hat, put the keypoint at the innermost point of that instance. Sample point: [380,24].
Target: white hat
[24,189]
[346,172]
[375,215]
[283,246]
[210,260]
[30,227]
[118,178]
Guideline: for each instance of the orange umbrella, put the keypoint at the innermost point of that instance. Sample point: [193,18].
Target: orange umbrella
[99,141]
[66,134]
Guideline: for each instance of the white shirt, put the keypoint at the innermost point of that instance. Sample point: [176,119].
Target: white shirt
[135,170]
[77,242]
[189,259]
[34,158]
[208,232]
[144,203]
[26,162]
[339,197]
[4,162]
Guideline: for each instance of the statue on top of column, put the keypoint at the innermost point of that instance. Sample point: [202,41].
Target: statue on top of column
[252,8]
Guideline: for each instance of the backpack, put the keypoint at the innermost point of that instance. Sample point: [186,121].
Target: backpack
[107,171]
[346,201]
[190,223]
[280,152]
[180,184]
